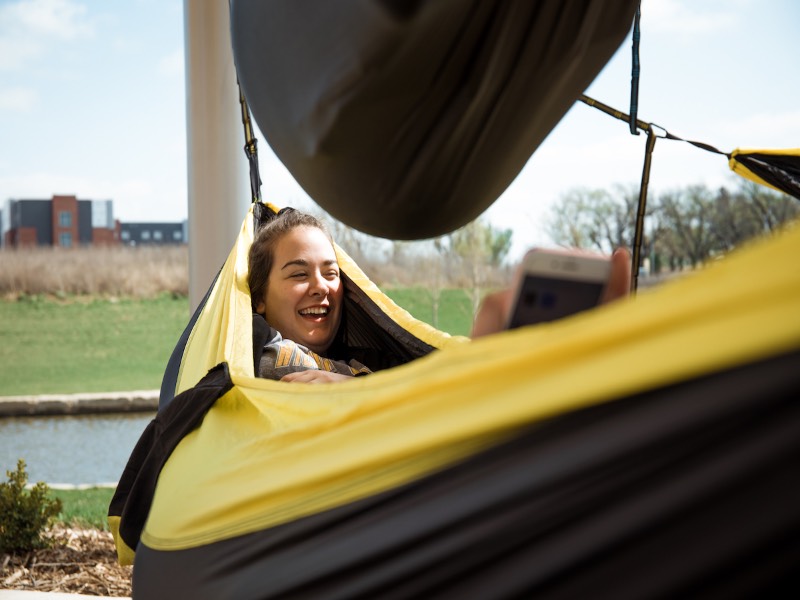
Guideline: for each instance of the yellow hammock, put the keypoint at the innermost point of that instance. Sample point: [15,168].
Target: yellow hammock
[275,461]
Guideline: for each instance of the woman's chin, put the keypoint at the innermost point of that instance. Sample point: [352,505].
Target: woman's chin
[316,343]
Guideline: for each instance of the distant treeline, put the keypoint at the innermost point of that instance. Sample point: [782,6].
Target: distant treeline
[683,227]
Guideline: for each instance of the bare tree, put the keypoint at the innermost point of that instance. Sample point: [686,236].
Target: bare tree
[572,221]
[595,219]
[435,274]
[480,248]
[688,217]
[768,208]
[733,221]
[696,223]
[683,226]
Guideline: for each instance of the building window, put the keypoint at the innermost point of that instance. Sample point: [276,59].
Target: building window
[146,234]
[157,235]
[64,218]
[177,236]
[125,235]
[65,240]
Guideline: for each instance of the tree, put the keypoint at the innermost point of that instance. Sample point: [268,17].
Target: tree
[571,222]
[686,225]
[434,275]
[769,209]
[695,224]
[595,219]
[478,246]
[733,222]
[366,250]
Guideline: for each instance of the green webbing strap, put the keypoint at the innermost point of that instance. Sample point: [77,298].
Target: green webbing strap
[640,211]
[646,127]
[635,71]
[250,149]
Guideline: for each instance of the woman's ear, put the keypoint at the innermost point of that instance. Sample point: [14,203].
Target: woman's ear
[261,307]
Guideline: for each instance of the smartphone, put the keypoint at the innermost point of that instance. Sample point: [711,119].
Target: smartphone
[554,284]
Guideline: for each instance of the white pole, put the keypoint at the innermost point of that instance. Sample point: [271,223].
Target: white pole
[219,188]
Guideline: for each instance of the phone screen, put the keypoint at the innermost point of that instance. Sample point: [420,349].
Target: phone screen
[546,299]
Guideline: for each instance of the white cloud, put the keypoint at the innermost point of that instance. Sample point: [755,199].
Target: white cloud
[18,99]
[28,26]
[16,52]
[63,19]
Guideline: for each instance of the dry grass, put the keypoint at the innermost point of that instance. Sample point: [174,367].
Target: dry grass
[140,272]
[147,272]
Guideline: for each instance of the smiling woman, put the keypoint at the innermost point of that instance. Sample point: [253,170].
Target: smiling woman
[296,287]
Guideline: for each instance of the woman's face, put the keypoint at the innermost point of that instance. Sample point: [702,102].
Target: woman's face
[304,293]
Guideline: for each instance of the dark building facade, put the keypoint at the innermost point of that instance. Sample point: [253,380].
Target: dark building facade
[143,234]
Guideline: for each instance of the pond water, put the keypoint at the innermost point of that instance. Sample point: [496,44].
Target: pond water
[85,449]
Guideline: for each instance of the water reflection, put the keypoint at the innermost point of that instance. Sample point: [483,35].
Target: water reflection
[82,449]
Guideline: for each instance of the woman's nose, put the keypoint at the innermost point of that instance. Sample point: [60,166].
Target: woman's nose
[318,285]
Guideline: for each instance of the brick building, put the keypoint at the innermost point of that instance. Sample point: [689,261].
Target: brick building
[63,221]
[67,221]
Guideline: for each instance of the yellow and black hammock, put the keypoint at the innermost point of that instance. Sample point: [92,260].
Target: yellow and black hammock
[646,448]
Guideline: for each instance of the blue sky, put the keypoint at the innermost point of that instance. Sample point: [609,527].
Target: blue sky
[92,103]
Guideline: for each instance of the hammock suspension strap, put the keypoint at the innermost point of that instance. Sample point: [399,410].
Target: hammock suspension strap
[653,131]
[641,209]
[250,149]
[635,71]
[646,127]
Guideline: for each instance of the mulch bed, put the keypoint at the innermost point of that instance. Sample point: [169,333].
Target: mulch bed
[81,561]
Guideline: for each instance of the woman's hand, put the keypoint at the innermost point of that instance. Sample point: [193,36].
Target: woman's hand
[492,314]
[619,281]
[494,310]
[315,376]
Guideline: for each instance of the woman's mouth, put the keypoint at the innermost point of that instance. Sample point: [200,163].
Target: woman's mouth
[314,311]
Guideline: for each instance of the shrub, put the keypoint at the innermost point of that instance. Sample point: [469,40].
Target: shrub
[24,514]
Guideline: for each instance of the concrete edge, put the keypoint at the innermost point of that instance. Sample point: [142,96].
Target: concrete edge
[108,485]
[79,404]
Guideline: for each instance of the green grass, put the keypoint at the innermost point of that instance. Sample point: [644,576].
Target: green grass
[84,508]
[87,345]
[83,345]
[455,308]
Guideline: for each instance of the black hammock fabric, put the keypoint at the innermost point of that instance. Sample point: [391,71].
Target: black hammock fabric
[779,169]
[407,119]
[689,490]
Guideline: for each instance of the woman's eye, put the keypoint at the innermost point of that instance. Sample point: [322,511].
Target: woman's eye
[298,275]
